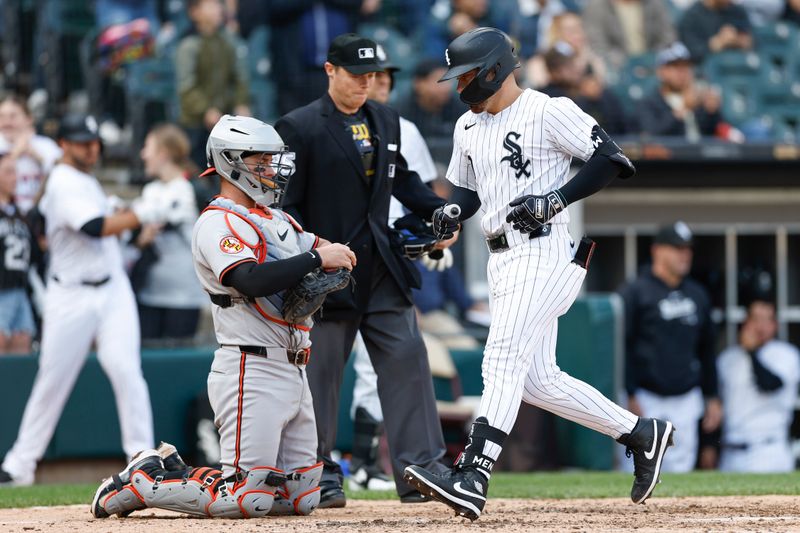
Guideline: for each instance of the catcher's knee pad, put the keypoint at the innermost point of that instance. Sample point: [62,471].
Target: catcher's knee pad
[300,494]
[250,495]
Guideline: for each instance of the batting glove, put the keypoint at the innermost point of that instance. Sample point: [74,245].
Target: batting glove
[437,261]
[444,225]
[530,212]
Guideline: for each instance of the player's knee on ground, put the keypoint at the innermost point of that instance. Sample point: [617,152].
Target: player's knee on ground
[299,495]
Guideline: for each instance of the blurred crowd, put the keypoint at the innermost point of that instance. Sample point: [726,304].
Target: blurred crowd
[159,74]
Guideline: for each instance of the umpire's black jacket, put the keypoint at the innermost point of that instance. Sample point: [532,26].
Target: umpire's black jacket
[331,195]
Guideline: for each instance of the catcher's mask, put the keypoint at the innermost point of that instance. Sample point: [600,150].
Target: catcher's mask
[263,177]
[488,50]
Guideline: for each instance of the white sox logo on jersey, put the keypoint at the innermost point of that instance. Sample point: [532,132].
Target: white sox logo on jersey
[515,157]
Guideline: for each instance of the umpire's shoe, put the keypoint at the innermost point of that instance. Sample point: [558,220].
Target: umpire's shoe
[147,460]
[331,495]
[463,489]
[647,442]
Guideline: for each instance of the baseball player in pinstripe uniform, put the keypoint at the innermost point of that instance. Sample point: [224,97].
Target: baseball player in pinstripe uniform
[511,157]
[246,255]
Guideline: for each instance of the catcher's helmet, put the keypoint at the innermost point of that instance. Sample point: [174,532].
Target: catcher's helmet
[234,138]
[485,49]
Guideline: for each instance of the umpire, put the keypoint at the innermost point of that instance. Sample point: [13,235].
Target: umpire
[348,166]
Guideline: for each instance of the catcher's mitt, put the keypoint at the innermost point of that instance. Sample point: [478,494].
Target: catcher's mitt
[303,300]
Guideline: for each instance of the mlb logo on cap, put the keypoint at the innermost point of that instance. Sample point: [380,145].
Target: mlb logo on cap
[354,53]
[366,53]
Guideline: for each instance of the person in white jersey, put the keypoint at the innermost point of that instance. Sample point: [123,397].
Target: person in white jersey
[247,253]
[88,299]
[366,409]
[511,158]
[758,381]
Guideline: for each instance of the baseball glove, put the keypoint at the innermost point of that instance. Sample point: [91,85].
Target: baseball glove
[303,300]
[412,236]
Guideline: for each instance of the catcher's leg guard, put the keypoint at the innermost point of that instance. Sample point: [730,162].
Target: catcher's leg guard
[116,495]
[250,495]
[300,494]
[190,491]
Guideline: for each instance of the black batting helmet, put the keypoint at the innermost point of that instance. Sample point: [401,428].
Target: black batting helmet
[485,49]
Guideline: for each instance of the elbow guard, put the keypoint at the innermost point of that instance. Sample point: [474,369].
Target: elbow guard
[606,147]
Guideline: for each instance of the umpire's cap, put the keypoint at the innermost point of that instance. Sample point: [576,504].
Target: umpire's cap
[354,53]
[485,49]
[78,127]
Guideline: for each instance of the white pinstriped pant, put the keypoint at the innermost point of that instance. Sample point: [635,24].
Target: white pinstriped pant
[531,285]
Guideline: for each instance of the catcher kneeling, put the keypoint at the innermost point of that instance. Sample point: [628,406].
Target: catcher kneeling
[265,277]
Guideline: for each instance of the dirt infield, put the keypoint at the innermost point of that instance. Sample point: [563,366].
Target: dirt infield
[756,513]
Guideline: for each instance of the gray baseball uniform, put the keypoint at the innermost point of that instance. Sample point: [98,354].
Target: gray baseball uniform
[262,404]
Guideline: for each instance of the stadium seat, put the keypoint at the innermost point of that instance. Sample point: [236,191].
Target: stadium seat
[741,99]
[775,44]
[150,94]
[259,67]
[731,64]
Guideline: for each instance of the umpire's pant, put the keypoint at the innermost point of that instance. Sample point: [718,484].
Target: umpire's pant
[398,354]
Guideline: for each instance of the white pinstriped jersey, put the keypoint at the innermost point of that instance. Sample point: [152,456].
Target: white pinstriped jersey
[524,149]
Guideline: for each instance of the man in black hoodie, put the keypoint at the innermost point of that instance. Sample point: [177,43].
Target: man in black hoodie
[670,346]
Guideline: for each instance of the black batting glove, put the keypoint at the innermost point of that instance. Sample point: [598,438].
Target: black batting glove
[444,226]
[530,212]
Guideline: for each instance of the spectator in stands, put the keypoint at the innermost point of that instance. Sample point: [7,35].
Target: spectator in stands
[679,106]
[670,346]
[568,28]
[792,12]
[619,29]
[569,78]
[211,80]
[16,317]
[531,23]
[445,23]
[431,105]
[710,26]
[301,33]
[758,381]
[34,154]
[763,12]
[167,290]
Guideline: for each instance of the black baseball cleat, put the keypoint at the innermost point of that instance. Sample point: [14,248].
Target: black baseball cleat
[415,497]
[647,443]
[5,479]
[461,489]
[331,495]
[147,460]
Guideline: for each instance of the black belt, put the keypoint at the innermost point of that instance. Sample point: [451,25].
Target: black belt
[97,283]
[499,243]
[296,357]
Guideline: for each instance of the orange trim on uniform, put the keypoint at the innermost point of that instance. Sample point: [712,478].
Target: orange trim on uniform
[234,265]
[316,242]
[260,248]
[271,318]
[312,467]
[239,408]
[261,211]
[293,222]
[208,172]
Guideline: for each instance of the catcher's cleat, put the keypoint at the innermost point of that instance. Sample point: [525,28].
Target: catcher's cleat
[148,460]
[461,489]
[173,462]
[647,443]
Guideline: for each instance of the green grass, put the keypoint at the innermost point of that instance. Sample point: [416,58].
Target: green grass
[558,485]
